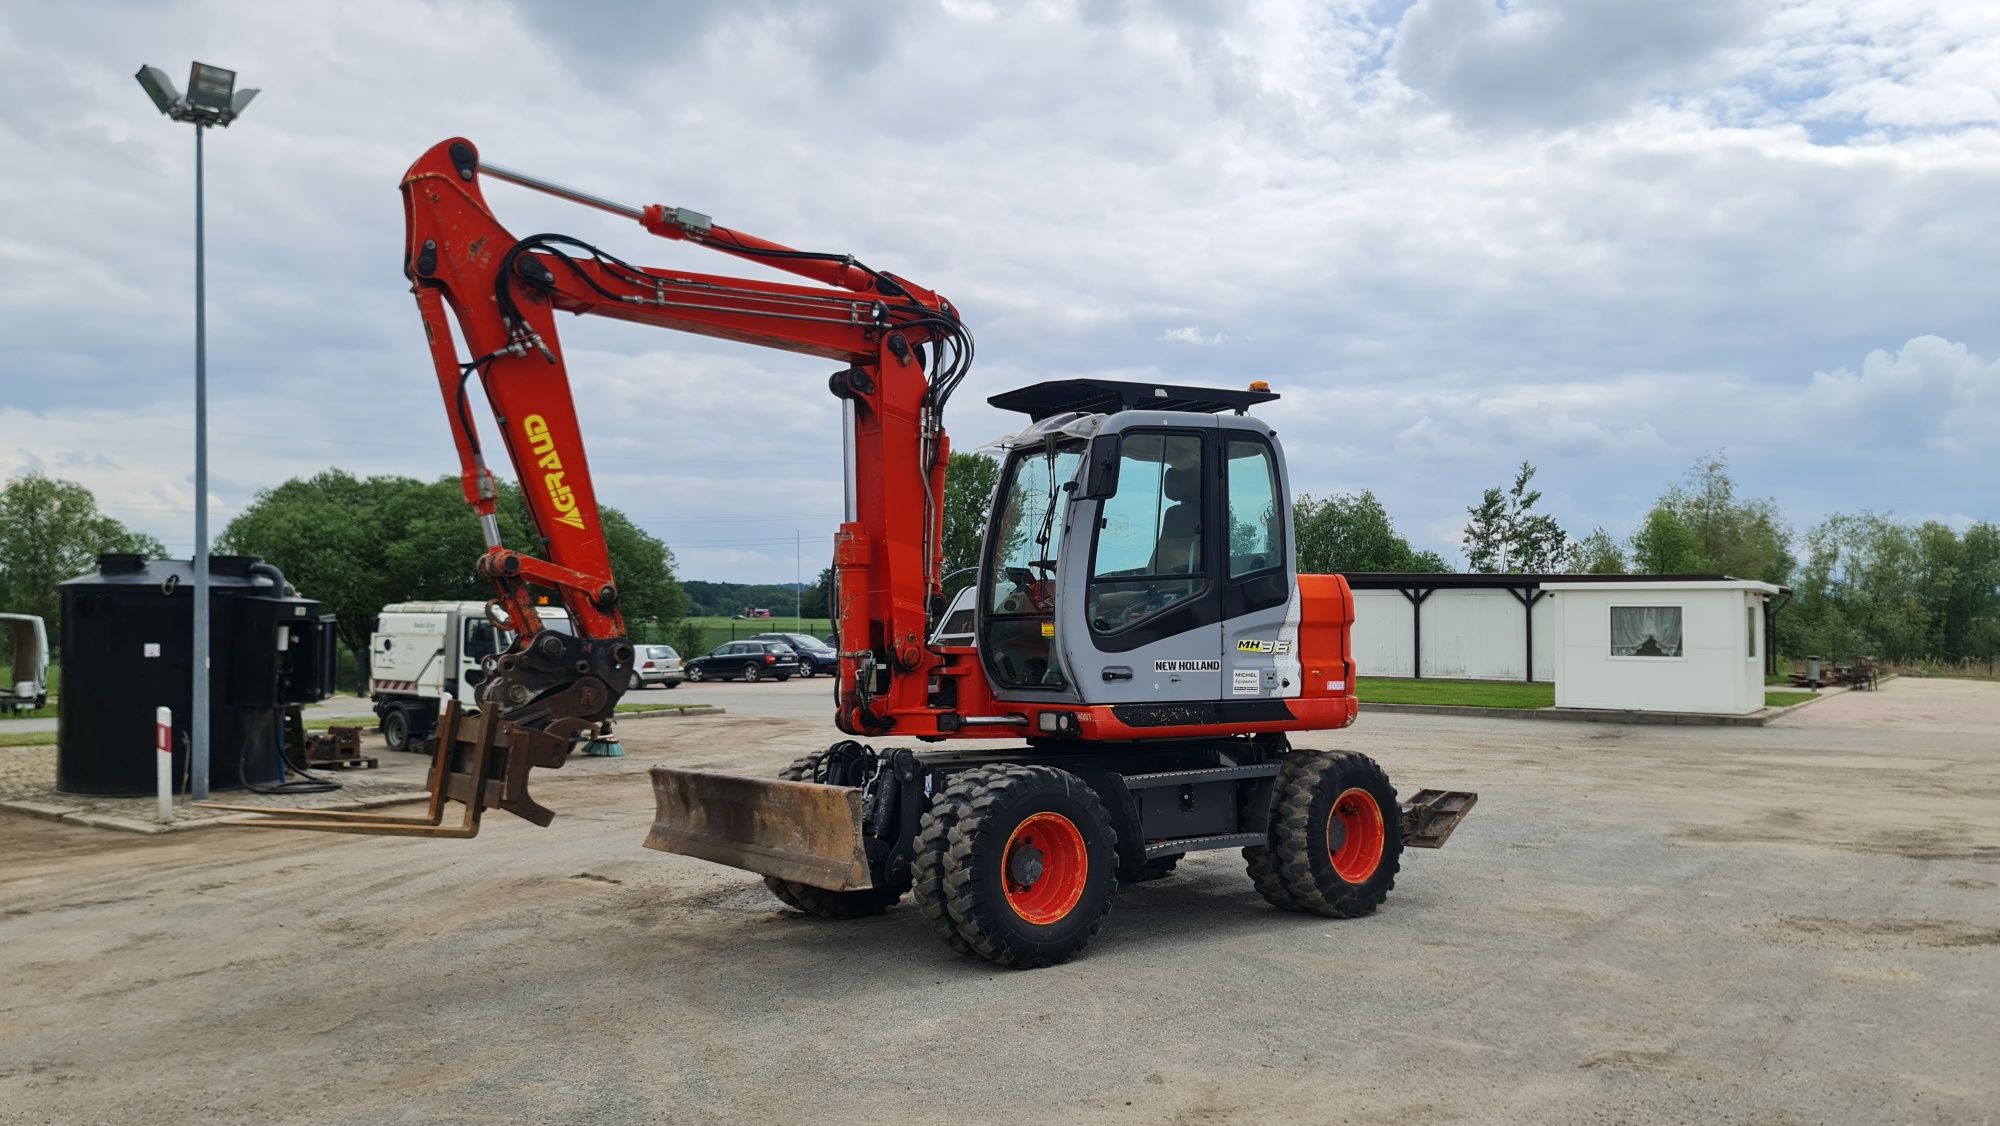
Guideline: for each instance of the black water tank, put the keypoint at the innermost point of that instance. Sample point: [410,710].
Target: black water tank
[127,649]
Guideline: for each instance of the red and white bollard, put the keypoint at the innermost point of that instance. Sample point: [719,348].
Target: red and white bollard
[163,761]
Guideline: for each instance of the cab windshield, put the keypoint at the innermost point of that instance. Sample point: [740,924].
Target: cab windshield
[1020,588]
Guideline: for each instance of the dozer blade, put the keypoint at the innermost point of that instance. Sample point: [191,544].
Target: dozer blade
[484,767]
[798,831]
[1430,816]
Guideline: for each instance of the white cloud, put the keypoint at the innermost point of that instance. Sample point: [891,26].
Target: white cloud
[1191,334]
[1930,390]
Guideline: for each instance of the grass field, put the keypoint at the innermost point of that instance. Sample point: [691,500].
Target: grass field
[1785,699]
[1461,693]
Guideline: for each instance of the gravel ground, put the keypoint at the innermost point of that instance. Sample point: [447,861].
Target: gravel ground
[1796,923]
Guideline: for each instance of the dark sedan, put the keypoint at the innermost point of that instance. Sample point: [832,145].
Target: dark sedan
[745,660]
[815,656]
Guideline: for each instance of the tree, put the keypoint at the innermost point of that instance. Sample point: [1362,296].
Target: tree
[1699,526]
[1351,532]
[1597,554]
[969,481]
[1505,535]
[1872,586]
[1972,621]
[818,599]
[357,544]
[51,530]
[689,641]
[1665,546]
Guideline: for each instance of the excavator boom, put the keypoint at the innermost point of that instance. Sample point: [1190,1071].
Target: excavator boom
[901,350]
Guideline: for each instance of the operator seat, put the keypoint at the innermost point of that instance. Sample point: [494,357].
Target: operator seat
[1179,549]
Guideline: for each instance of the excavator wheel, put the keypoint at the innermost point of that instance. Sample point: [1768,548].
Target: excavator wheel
[820,901]
[1336,833]
[1030,866]
[933,841]
[1262,860]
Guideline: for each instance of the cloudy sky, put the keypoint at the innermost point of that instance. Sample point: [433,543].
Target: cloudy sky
[1605,236]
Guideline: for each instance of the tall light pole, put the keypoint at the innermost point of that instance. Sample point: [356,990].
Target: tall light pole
[212,100]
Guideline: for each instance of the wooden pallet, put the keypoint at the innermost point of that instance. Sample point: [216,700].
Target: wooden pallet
[358,763]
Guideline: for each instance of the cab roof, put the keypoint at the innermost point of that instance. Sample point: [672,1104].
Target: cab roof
[1109,396]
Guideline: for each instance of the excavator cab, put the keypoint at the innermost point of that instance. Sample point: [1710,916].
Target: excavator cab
[1139,550]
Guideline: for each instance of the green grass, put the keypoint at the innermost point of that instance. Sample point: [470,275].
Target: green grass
[664,706]
[27,739]
[1785,699]
[32,713]
[1461,693]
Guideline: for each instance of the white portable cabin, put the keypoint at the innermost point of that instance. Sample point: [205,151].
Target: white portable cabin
[1661,645]
[28,645]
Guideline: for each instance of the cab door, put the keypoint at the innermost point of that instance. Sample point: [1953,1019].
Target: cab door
[1260,607]
[1142,625]
[477,641]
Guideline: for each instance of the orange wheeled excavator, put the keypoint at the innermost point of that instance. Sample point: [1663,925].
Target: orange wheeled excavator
[1143,646]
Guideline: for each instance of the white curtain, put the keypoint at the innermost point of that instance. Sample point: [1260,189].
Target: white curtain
[1645,631]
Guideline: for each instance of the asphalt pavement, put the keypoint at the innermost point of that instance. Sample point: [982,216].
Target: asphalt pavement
[1788,924]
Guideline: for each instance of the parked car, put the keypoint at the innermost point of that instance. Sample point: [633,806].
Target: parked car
[747,660]
[815,656]
[657,666]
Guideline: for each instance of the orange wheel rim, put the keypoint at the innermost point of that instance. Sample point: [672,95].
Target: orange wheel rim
[1044,868]
[1355,835]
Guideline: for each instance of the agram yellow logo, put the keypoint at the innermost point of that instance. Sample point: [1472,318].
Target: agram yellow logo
[543,445]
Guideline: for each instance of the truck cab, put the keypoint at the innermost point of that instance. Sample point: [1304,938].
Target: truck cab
[421,653]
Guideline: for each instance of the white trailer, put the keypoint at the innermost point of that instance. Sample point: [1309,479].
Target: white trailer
[27,687]
[418,657]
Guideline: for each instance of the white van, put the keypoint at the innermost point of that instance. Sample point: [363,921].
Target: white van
[27,688]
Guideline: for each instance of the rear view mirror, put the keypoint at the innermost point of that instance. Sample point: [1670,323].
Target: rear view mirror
[1100,473]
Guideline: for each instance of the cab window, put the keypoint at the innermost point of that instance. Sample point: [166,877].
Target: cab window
[479,641]
[1148,557]
[1256,536]
[1021,568]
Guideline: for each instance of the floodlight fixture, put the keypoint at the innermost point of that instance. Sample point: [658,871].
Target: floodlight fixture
[160,88]
[210,87]
[212,98]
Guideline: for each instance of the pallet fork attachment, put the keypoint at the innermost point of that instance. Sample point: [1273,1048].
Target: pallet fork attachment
[496,753]
[1430,816]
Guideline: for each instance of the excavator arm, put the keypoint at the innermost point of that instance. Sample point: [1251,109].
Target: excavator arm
[902,350]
